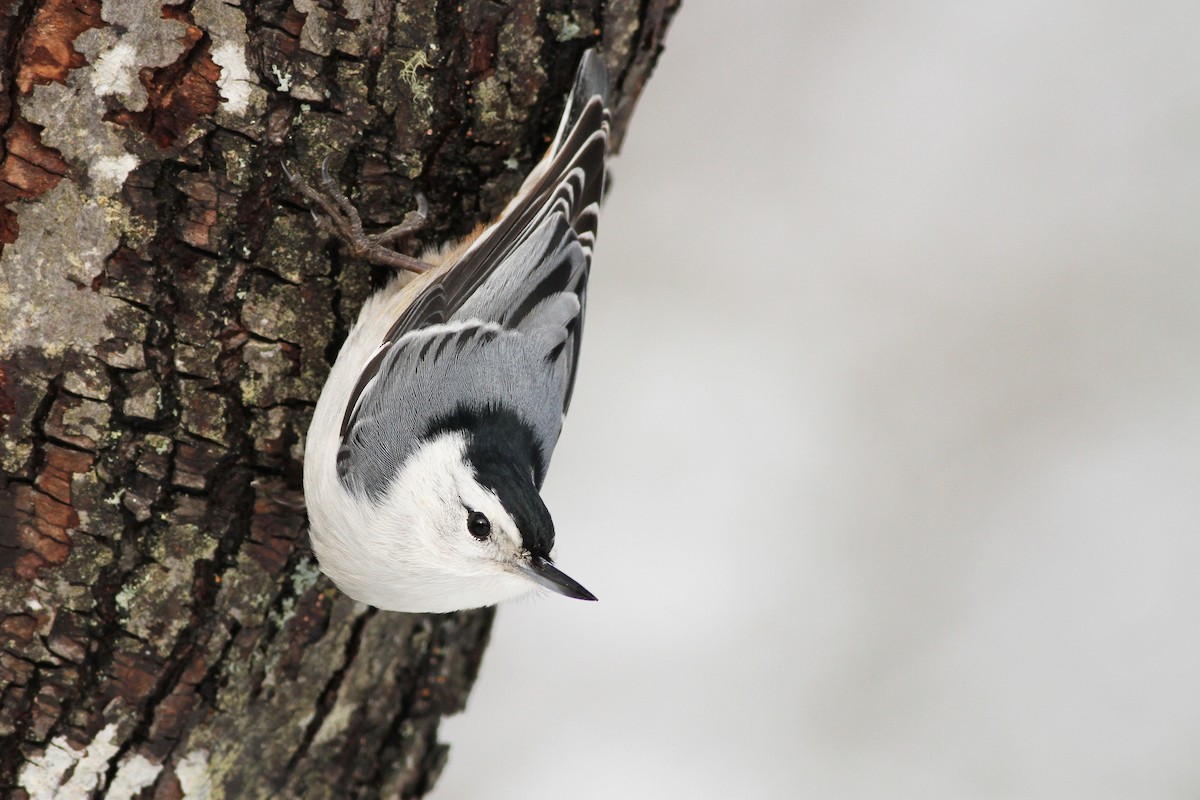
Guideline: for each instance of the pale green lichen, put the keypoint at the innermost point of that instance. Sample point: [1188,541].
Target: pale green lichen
[272,314]
[305,575]
[88,419]
[116,498]
[568,26]
[495,119]
[419,87]
[204,413]
[162,445]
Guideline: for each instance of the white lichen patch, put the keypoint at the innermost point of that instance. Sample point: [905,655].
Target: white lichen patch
[134,773]
[62,773]
[226,26]
[46,298]
[111,171]
[113,73]
[282,79]
[192,772]
[137,36]
[234,83]
[71,118]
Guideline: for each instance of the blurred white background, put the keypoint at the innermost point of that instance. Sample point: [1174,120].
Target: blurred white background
[884,458]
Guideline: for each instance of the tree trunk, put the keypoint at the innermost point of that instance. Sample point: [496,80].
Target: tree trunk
[170,313]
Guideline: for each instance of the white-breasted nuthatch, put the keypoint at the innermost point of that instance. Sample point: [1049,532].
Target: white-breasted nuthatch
[432,436]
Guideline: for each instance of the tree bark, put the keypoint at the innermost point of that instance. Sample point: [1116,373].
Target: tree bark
[170,312]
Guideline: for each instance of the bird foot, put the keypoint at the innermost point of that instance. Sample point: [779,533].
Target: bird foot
[339,218]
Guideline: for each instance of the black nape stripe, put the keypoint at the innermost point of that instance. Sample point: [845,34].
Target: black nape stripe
[495,429]
[506,457]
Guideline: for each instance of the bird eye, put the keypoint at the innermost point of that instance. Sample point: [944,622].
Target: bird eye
[478,525]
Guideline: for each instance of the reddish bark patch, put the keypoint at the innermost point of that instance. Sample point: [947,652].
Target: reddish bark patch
[292,22]
[135,674]
[195,225]
[8,228]
[8,406]
[20,627]
[45,514]
[274,530]
[179,93]
[42,543]
[47,52]
[29,169]
[61,464]
[194,462]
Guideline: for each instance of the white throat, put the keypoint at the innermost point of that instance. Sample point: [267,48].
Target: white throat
[412,551]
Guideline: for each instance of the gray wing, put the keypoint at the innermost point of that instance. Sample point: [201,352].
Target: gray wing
[431,373]
[541,249]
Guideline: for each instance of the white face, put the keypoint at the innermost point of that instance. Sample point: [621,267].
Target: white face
[422,552]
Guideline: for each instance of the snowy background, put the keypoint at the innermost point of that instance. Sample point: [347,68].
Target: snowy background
[884,459]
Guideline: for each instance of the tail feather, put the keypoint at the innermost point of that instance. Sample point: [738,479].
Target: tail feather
[581,144]
[591,80]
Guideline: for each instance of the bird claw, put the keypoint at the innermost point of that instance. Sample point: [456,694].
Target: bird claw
[336,216]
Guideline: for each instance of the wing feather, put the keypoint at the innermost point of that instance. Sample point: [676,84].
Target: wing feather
[427,373]
[539,248]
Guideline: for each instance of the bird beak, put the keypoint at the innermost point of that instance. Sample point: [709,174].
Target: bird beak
[550,576]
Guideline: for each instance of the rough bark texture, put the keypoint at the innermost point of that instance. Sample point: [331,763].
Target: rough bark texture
[169,314]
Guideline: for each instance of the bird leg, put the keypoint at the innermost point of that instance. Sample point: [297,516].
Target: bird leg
[339,218]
